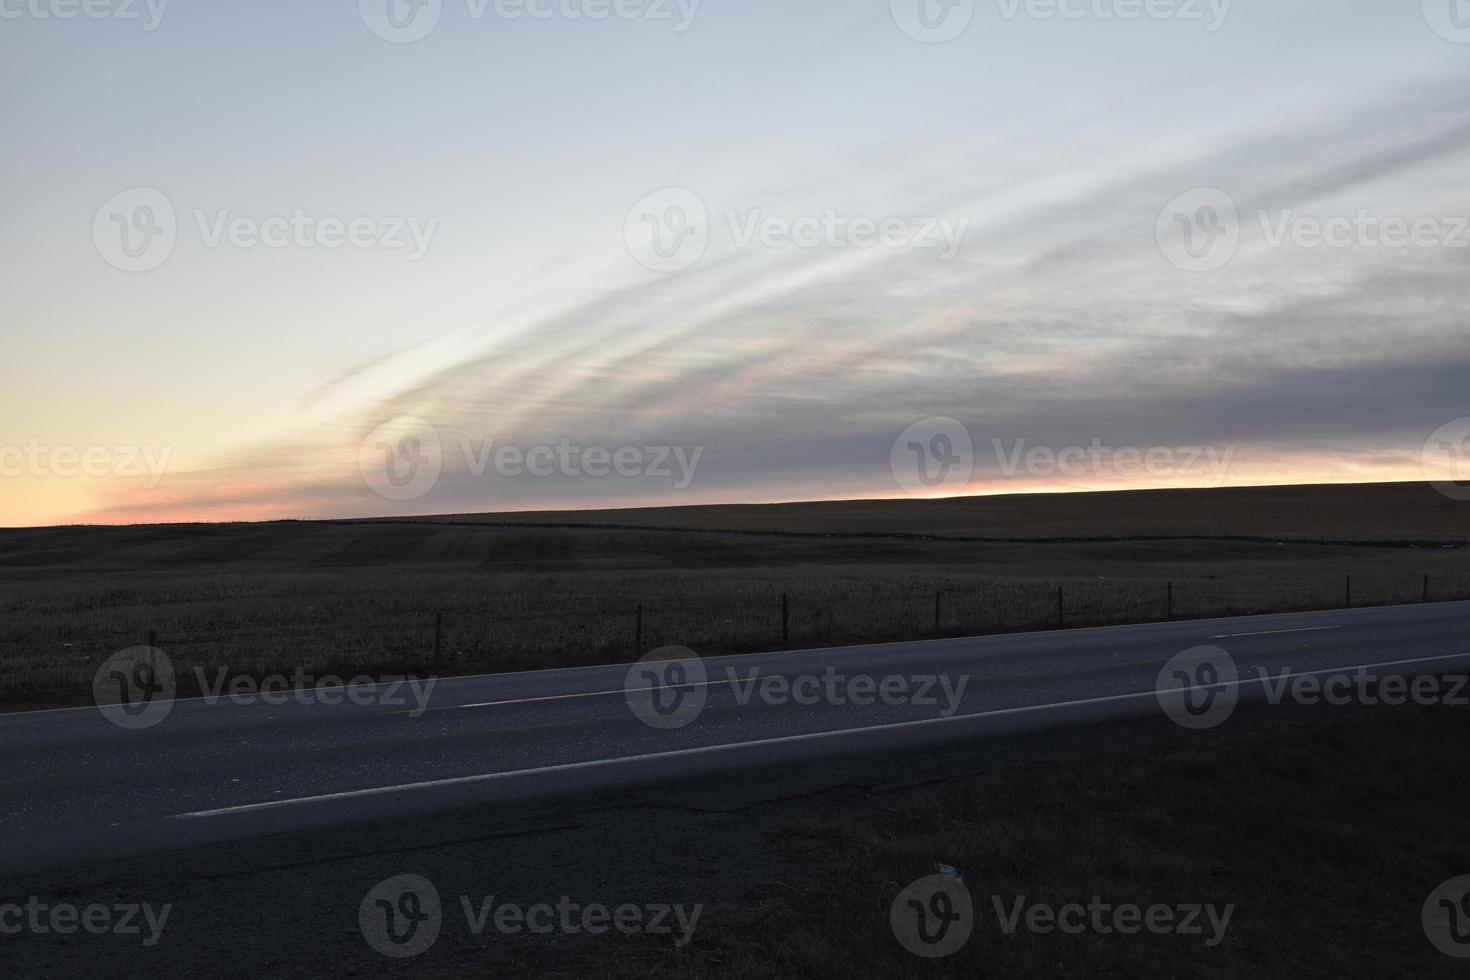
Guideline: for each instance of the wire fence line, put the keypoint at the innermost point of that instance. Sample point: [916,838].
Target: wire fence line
[453,632]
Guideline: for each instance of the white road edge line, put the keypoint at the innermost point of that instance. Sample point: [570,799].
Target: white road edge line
[1301,629]
[782,740]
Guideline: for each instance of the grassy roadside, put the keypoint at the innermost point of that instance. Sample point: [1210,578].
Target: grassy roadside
[347,599]
[54,639]
[1327,840]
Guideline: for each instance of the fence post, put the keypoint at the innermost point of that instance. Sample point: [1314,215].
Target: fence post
[1426,587]
[937,594]
[1169,602]
[638,630]
[785,623]
[1349,592]
[1061,607]
[438,636]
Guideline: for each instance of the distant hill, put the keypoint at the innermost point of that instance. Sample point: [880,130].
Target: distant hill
[1338,512]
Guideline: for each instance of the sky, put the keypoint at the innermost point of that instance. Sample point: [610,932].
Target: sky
[287,260]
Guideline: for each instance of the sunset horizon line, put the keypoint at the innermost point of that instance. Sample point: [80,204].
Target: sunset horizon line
[707,505]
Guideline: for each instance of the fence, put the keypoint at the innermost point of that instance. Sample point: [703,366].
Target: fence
[462,630]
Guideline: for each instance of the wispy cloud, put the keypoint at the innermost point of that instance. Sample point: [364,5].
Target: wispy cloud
[1059,321]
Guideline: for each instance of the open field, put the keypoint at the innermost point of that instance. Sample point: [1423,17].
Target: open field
[1350,512]
[367,597]
[1216,820]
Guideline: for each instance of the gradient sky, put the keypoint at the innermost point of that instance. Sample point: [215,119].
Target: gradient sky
[1056,142]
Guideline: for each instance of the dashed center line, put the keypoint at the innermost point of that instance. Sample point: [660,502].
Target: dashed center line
[1303,629]
[565,697]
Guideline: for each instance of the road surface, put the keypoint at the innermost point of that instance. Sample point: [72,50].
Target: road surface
[78,788]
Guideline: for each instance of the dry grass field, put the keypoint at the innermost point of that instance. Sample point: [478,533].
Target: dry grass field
[1399,512]
[1253,819]
[514,593]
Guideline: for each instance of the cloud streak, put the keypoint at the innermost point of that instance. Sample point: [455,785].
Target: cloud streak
[1059,321]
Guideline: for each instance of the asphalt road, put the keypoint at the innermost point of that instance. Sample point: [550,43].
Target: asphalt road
[78,788]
